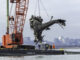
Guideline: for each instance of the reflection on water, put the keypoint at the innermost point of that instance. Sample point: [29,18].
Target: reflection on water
[12,58]
[44,57]
[39,56]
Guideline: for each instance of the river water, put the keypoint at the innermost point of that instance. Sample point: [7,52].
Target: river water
[45,57]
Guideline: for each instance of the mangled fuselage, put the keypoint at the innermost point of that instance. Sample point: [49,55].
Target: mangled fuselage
[38,27]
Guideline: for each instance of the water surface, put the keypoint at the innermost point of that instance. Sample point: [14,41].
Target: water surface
[44,57]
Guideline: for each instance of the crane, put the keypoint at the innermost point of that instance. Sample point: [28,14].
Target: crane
[15,24]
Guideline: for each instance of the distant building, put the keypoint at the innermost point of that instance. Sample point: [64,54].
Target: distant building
[66,42]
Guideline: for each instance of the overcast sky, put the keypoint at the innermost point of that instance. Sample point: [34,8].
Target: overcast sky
[64,9]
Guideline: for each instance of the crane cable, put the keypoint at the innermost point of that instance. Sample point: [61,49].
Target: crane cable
[11,9]
[37,6]
[44,8]
[10,13]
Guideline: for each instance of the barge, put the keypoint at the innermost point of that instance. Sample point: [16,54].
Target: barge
[27,50]
[24,52]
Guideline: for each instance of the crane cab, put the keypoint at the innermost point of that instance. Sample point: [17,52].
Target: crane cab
[12,40]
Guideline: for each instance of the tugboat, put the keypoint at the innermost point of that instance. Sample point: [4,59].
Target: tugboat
[12,41]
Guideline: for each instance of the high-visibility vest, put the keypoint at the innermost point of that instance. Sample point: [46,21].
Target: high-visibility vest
[53,46]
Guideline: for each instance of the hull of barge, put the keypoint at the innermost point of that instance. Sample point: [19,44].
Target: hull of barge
[23,52]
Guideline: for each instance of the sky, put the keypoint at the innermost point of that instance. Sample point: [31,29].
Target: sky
[64,9]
